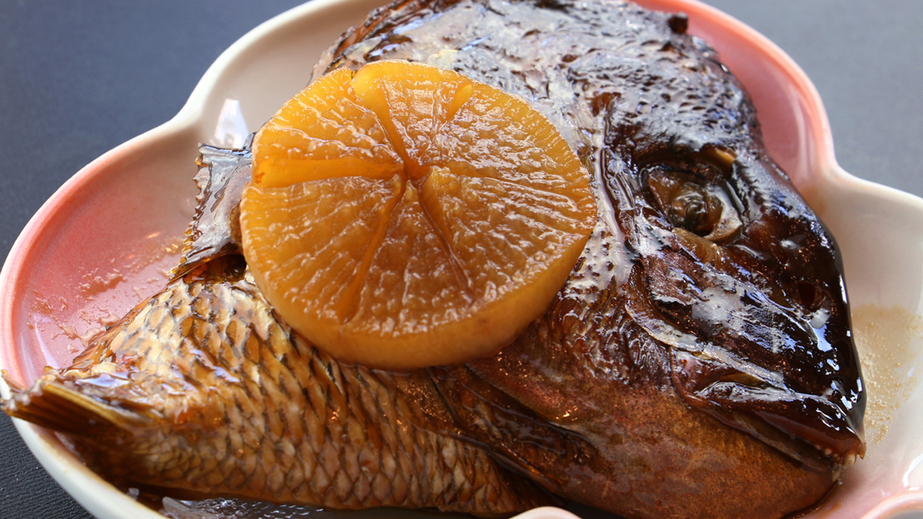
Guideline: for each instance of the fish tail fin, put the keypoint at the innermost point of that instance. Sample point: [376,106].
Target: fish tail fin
[54,405]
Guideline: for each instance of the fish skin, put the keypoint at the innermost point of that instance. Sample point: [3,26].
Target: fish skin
[633,393]
[201,390]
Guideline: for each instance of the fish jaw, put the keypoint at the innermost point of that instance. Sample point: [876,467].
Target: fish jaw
[757,323]
[594,375]
[625,358]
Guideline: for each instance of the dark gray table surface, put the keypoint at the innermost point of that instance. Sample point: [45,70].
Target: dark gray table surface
[79,78]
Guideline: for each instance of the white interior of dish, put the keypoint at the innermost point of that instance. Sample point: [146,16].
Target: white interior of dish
[73,248]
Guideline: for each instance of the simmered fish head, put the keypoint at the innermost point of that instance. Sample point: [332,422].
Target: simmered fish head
[699,360]
[708,248]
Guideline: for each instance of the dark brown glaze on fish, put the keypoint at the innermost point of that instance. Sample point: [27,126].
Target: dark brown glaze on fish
[698,362]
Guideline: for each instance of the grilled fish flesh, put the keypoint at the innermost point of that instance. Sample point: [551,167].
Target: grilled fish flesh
[697,363]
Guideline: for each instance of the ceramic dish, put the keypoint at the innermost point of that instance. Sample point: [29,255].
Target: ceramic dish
[103,241]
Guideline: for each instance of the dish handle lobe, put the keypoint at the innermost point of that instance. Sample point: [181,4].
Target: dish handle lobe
[259,71]
[879,231]
[80,259]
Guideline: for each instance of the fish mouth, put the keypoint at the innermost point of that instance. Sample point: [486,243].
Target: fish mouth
[755,383]
[756,324]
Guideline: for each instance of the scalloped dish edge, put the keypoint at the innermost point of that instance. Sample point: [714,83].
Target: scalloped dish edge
[827,186]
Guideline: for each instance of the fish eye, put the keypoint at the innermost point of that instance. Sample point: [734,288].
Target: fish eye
[693,195]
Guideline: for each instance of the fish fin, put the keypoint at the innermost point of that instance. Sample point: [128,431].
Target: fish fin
[214,231]
[54,405]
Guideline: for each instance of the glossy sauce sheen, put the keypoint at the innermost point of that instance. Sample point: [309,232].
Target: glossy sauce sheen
[698,362]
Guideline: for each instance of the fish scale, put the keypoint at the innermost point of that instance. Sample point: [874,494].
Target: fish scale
[281,422]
